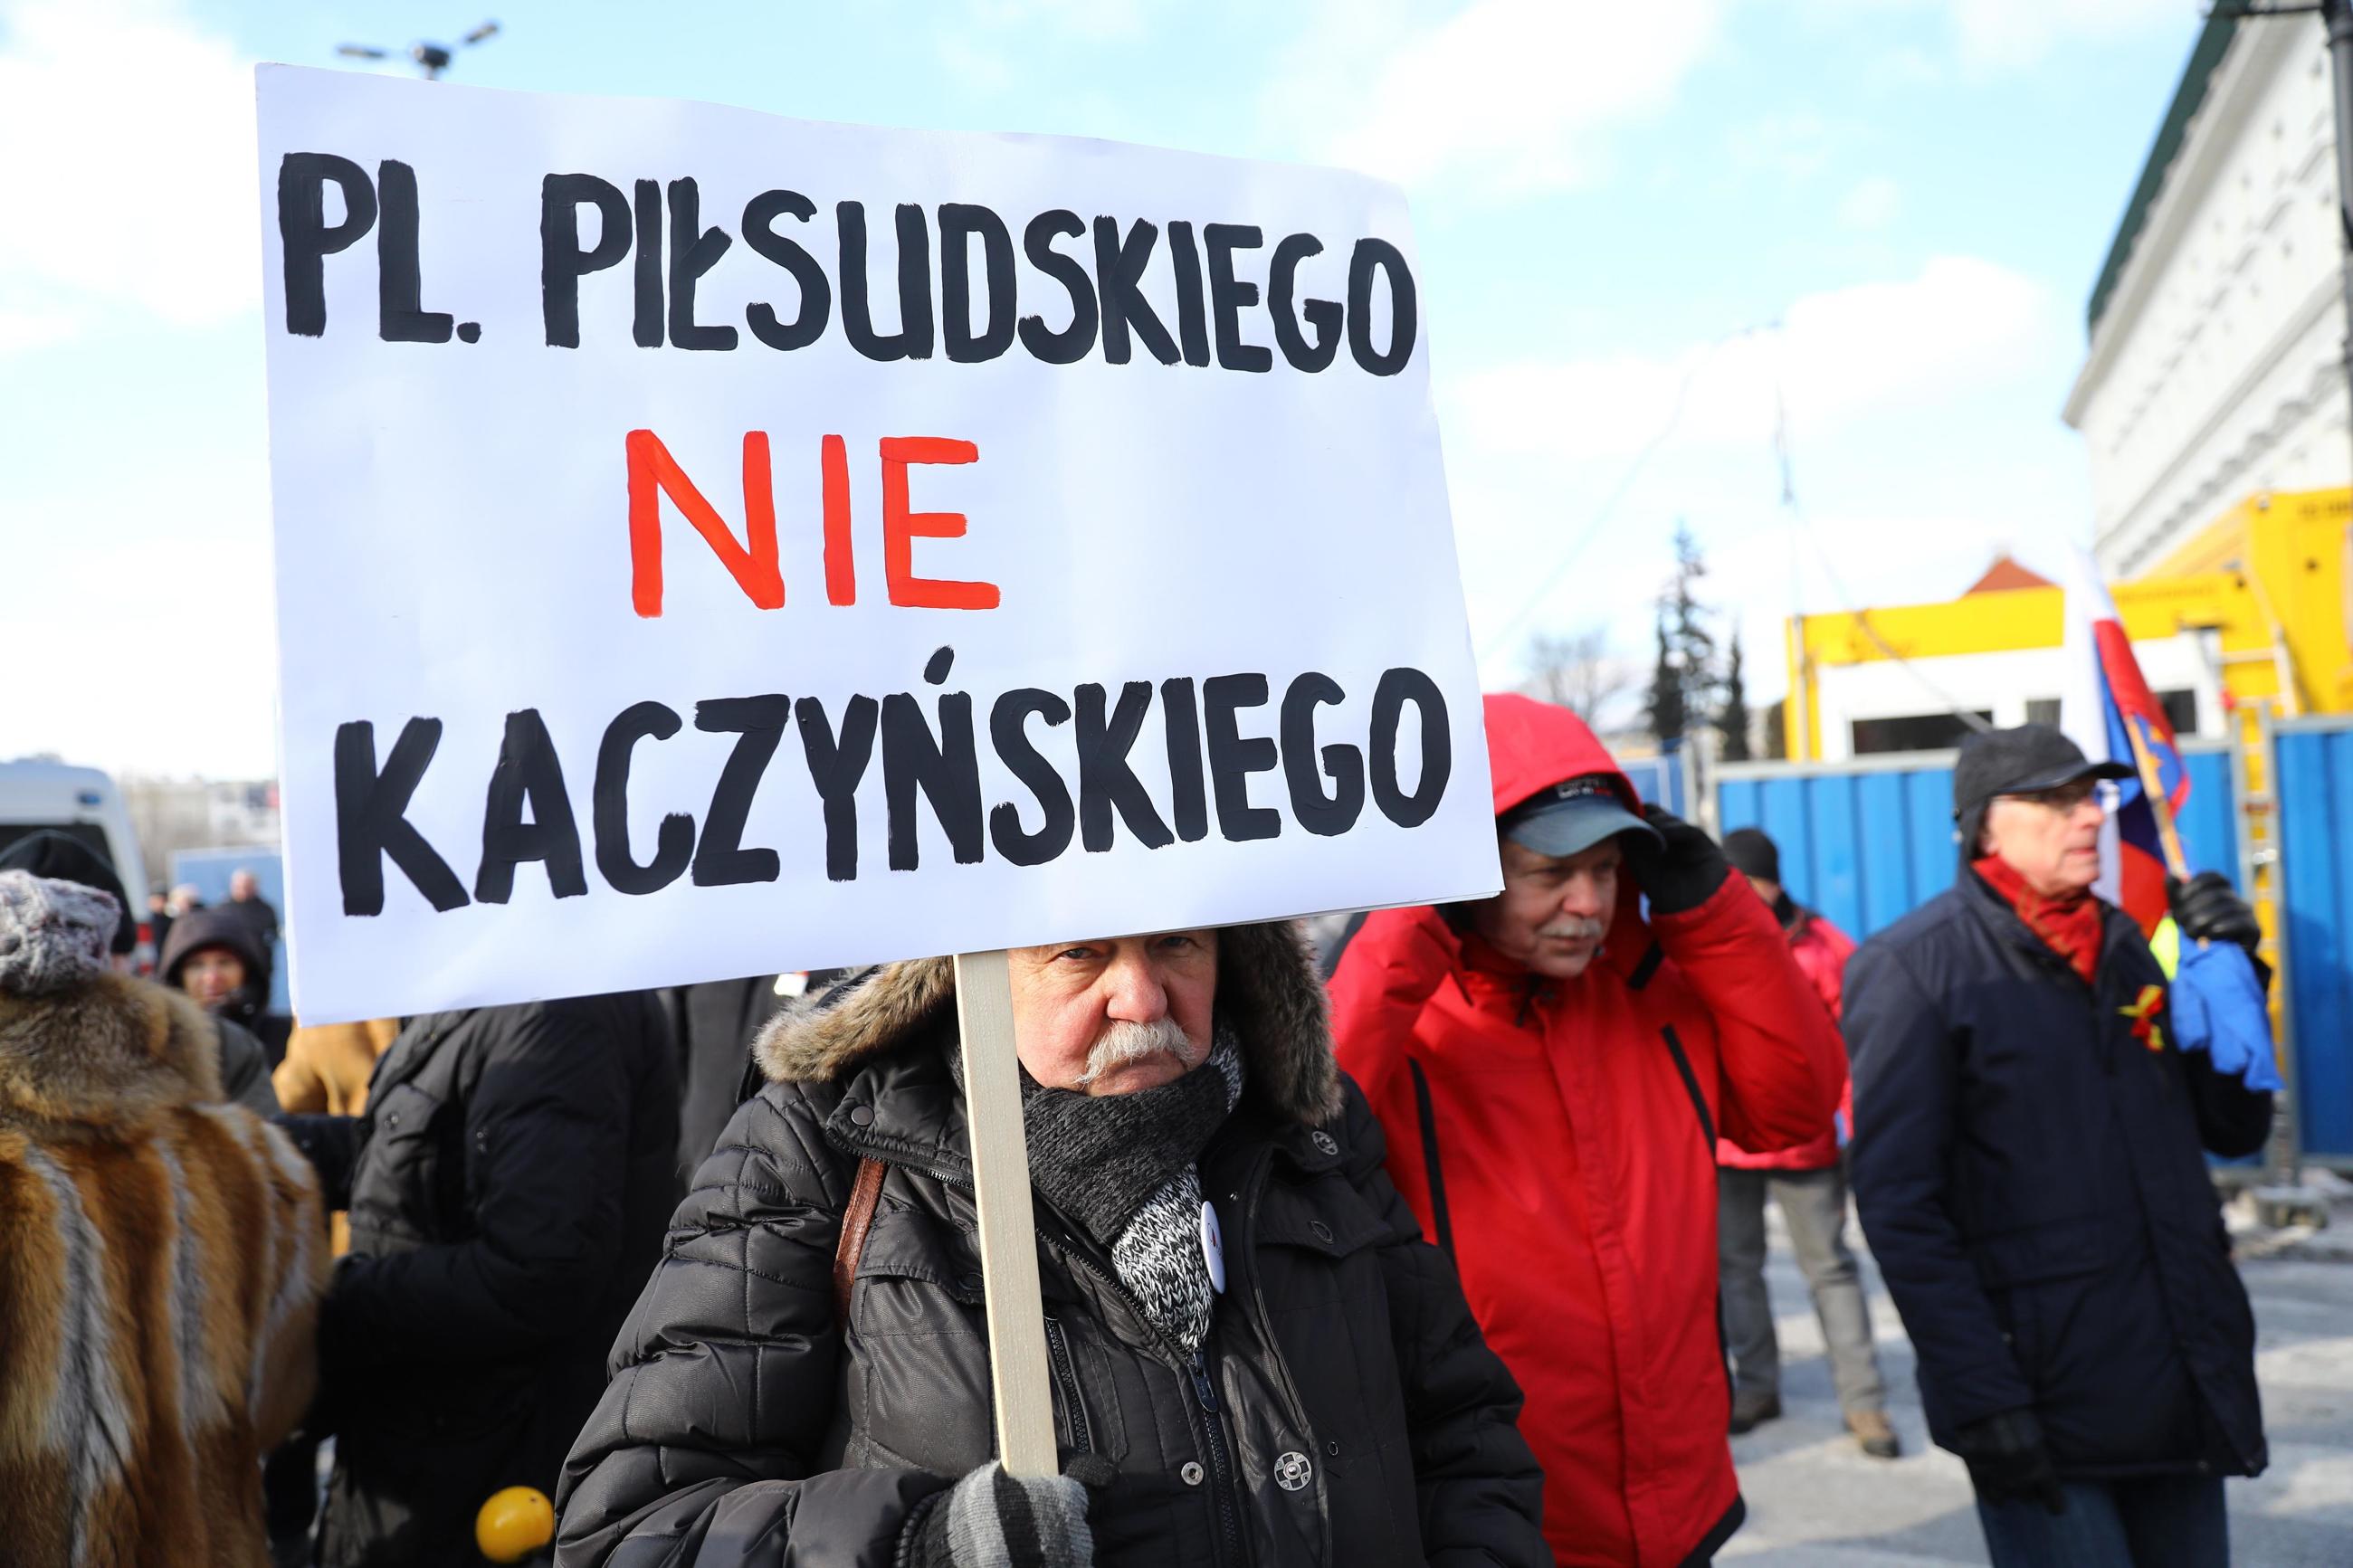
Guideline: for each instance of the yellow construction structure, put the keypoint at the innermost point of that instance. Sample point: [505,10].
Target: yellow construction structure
[2270,577]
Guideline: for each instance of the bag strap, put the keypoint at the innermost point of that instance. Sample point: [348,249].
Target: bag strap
[856,1221]
[1691,1087]
[1433,1172]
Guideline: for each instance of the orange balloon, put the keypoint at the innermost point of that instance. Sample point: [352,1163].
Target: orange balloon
[515,1522]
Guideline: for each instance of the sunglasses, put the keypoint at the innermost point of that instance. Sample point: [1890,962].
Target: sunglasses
[2064,799]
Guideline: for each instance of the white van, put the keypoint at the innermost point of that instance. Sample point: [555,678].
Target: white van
[82,802]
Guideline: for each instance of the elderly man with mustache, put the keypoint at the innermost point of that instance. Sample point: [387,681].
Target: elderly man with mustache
[1553,1070]
[1256,1357]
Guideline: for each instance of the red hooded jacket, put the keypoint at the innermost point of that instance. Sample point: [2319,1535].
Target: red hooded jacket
[1559,1138]
[1821,951]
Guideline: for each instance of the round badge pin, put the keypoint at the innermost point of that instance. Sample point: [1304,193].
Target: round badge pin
[1213,1248]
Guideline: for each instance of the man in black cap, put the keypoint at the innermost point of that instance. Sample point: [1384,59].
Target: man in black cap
[2027,1158]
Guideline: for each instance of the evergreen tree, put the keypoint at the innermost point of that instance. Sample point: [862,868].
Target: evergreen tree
[1682,680]
[1731,718]
[1668,710]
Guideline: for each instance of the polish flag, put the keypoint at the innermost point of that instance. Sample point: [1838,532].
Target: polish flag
[2104,704]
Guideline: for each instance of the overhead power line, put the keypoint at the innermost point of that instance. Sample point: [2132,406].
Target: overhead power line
[1803,522]
[1600,520]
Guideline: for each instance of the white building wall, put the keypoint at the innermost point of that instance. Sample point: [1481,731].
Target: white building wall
[1998,683]
[2216,370]
[243,812]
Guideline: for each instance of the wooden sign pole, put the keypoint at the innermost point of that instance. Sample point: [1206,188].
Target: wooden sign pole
[1008,1238]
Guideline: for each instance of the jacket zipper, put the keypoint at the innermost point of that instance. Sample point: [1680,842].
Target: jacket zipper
[1221,1470]
[1253,1181]
[1205,1393]
[1066,1373]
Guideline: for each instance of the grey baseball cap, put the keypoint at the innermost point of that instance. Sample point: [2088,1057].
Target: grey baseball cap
[1572,816]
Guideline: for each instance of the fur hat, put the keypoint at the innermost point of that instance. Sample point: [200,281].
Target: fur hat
[53,934]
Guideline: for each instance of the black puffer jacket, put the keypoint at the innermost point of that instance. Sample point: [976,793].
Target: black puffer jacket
[1344,1412]
[507,1188]
[713,1025]
[2029,1173]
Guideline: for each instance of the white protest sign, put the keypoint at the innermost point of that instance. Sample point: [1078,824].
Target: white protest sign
[712,543]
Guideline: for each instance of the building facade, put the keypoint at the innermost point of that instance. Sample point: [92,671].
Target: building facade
[175,814]
[2215,368]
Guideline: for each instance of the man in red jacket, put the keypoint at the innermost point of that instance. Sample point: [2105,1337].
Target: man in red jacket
[1809,1185]
[1552,1070]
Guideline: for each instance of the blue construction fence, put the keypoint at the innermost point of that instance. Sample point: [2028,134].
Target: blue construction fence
[1661,781]
[1865,842]
[2314,759]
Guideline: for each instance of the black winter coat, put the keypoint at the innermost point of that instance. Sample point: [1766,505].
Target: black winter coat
[2029,1173]
[245,1069]
[1344,1411]
[713,1025]
[507,1188]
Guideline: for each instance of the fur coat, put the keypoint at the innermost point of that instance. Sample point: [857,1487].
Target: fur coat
[160,1258]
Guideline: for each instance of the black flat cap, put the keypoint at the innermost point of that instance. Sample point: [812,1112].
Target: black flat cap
[2025,761]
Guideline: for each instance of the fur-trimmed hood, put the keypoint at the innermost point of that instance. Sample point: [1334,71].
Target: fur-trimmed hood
[1268,990]
[111,1053]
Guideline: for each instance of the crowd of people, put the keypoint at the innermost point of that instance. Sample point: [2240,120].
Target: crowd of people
[1449,1251]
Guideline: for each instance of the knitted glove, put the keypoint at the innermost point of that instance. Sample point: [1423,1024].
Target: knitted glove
[1681,874]
[2009,1462]
[2208,908]
[2216,1006]
[989,1520]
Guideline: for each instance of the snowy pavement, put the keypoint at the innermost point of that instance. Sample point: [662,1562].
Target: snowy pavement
[1816,1501]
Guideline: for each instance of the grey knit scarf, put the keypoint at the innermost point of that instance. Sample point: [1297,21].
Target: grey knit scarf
[1126,1166]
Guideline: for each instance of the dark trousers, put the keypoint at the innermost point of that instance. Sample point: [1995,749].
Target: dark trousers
[2162,1521]
[1814,1206]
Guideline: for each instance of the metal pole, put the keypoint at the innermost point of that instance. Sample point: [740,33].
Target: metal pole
[2336,16]
[2282,1199]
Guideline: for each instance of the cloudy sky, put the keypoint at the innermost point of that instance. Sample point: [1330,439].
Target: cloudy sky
[1650,230]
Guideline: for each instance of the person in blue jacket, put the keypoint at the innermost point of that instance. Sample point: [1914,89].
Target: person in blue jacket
[2027,1162]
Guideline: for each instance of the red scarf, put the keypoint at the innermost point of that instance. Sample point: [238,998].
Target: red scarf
[2070,926]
